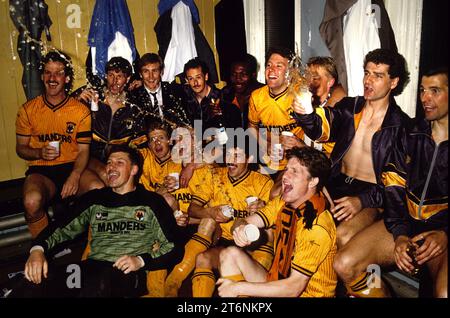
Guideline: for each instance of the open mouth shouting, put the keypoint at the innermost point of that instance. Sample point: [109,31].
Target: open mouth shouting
[112,176]
[286,188]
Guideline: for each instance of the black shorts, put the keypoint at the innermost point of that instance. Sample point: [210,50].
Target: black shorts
[58,173]
[344,186]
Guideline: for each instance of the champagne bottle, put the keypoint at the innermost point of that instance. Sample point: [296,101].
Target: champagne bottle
[412,252]
[221,134]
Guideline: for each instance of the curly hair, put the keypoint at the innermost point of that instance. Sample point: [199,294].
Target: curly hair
[118,63]
[317,163]
[64,59]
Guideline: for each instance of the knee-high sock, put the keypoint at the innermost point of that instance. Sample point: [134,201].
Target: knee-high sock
[360,287]
[35,227]
[203,282]
[236,278]
[196,245]
[155,283]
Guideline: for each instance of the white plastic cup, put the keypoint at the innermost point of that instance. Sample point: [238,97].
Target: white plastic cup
[251,232]
[176,175]
[227,211]
[305,99]
[250,200]
[55,144]
[177,213]
[277,151]
[287,133]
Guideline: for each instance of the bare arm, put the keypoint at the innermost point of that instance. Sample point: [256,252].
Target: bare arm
[26,152]
[72,183]
[200,212]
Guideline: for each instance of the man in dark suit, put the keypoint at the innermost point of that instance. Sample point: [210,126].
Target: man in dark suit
[161,100]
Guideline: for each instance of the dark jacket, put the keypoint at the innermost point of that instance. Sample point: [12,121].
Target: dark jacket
[341,120]
[173,100]
[411,205]
[229,95]
[203,110]
[126,126]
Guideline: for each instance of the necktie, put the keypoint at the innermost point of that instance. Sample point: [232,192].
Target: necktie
[155,100]
[156,105]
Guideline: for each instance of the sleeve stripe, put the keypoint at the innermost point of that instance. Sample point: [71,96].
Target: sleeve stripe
[390,167]
[266,248]
[23,135]
[84,134]
[393,179]
[264,218]
[325,125]
[302,270]
[198,199]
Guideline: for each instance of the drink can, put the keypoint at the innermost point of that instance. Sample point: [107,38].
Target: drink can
[94,106]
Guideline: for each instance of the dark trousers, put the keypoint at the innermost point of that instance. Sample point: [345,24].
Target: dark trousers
[97,278]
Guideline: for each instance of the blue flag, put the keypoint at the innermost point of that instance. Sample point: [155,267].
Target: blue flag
[110,34]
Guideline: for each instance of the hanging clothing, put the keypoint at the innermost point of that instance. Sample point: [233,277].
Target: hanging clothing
[31,16]
[332,31]
[110,34]
[165,5]
[163,30]
[182,43]
[359,23]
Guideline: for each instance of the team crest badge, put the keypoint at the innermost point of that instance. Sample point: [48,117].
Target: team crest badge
[408,160]
[139,215]
[101,216]
[70,127]
[128,123]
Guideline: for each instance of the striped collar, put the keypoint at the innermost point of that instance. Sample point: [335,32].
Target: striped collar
[278,96]
[57,106]
[237,181]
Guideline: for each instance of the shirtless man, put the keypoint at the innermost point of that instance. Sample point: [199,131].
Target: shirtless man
[364,129]
[416,202]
